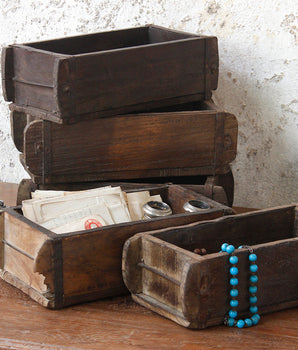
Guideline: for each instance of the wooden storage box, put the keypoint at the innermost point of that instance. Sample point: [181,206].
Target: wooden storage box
[163,274]
[89,76]
[195,139]
[58,270]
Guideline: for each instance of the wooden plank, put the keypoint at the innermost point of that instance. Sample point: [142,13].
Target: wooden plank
[21,266]
[7,73]
[23,235]
[18,122]
[144,72]
[136,146]
[119,323]
[1,239]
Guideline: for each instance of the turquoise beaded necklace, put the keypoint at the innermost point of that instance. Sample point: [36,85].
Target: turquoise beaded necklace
[230,319]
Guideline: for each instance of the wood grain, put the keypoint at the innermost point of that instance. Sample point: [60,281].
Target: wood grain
[119,323]
[190,289]
[128,147]
[71,79]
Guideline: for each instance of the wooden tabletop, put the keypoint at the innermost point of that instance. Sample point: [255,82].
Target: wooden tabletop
[119,323]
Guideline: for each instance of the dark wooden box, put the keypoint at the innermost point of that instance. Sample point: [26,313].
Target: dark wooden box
[89,76]
[58,270]
[193,139]
[164,275]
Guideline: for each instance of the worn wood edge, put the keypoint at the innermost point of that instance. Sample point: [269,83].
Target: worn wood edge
[17,120]
[7,73]
[131,273]
[129,174]
[161,309]
[36,112]
[191,294]
[31,292]
[13,212]
[1,238]
[230,136]
[296,222]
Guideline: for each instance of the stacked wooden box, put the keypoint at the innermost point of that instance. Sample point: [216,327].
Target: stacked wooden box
[131,106]
[161,80]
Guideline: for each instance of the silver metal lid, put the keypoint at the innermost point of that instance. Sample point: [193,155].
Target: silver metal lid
[194,206]
[154,209]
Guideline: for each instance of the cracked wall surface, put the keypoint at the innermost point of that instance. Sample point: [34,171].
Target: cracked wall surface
[257,82]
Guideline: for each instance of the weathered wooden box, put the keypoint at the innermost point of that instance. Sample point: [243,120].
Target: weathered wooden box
[163,274]
[70,79]
[58,270]
[193,139]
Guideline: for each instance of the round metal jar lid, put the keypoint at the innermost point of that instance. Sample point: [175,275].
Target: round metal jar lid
[154,209]
[194,206]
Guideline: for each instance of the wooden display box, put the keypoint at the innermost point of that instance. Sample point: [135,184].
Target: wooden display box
[89,76]
[58,270]
[164,275]
[192,139]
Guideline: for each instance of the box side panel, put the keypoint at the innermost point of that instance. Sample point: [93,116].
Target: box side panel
[129,77]
[7,73]
[34,79]
[22,267]
[137,146]
[22,236]
[245,229]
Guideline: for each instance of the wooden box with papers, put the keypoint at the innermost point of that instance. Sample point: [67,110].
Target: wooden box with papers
[63,248]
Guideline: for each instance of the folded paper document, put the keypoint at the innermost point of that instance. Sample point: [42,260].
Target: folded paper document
[69,211]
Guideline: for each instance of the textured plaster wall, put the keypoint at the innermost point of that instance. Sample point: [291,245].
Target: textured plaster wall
[258,74]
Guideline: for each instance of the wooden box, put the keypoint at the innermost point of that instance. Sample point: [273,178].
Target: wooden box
[164,275]
[58,270]
[89,76]
[193,139]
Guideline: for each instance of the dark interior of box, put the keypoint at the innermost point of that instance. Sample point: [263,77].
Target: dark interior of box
[249,229]
[109,40]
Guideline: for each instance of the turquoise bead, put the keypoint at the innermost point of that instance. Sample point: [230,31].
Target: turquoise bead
[253,279]
[253,268]
[233,259]
[234,293]
[233,281]
[224,247]
[233,271]
[252,289]
[232,313]
[240,247]
[253,309]
[252,257]
[240,323]
[248,322]
[230,249]
[255,319]
[234,303]
[253,299]
[231,322]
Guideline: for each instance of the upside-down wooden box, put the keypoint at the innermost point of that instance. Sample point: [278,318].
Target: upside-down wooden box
[164,274]
[58,270]
[89,76]
[192,139]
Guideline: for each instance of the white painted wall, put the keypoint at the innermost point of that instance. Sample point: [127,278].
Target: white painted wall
[258,74]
